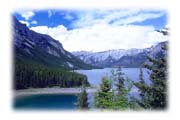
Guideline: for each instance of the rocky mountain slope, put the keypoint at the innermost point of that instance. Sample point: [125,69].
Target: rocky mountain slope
[35,48]
[125,58]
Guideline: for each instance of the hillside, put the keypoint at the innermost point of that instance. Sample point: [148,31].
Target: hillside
[31,47]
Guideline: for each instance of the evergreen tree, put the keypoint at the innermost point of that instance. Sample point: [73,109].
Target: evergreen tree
[141,76]
[122,100]
[118,97]
[83,99]
[104,97]
[143,89]
[119,81]
[154,96]
[157,93]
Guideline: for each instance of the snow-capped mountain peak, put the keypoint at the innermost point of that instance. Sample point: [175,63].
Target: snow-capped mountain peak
[97,57]
[126,58]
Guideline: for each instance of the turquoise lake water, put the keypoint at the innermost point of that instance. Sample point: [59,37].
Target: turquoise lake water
[46,102]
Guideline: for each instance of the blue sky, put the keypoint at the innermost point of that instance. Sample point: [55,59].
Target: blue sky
[75,28]
[53,18]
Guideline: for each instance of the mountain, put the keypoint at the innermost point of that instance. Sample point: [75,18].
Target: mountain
[164,31]
[125,58]
[35,48]
[157,51]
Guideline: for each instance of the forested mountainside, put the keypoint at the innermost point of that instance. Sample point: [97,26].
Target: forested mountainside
[37,76]
[40,61]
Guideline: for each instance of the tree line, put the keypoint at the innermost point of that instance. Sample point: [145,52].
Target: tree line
[115,91]
[36,76]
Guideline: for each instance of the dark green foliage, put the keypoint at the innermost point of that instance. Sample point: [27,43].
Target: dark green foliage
[117,98]
[141,76]
[119,79]
[83,100]
[104,97]
[155,95]
[106,85]
[37,76]
[123,100]
[158,90]
[143,89]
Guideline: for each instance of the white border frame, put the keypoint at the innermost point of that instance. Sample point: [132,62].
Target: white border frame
[8,6]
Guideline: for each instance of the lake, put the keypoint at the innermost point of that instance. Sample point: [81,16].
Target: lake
[46,102]
[95,75]
[68,102]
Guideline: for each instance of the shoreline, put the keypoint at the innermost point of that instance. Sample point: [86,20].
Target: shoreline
[36,91]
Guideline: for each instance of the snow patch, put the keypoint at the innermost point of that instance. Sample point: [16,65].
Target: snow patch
[29,45]
[52,52]
[62,50]
[70,65]
[57,46]
[31,42]
[27,50]
[101,56]
[69,56]
[54,44]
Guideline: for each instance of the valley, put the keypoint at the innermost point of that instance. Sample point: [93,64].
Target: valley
[101,65]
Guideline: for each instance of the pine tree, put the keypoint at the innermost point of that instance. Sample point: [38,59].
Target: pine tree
[104,97]
[83,100]
[158,90]
[143,89]
[141,76]
[122,99]
[106,85]
[116,97]
[123,87]
[155,95]
[119,81]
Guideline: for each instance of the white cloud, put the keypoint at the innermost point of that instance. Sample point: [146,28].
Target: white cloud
[88,18]
[138,18]
[33,22]
[100,37]
[101,30]
[24,22]
[28,23]
[26,14]
[116,17]
[68,17]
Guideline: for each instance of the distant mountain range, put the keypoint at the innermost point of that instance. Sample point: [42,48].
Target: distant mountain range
[122,57]
[35,48]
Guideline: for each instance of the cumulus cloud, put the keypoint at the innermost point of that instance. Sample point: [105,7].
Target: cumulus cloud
[100,37]
[33,22]
[24,22]
[102,30]
[26,14]
[28,23]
